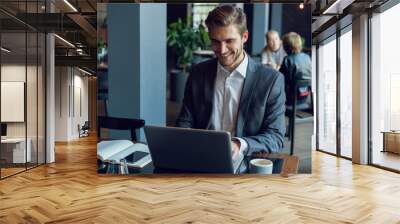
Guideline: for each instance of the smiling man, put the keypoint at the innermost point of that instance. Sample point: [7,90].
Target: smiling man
[233,92]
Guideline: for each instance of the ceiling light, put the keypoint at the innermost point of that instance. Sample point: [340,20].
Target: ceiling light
[70,5]
[79,50]
[65,41]
[301,6]
[86,72]
[5,50]
[43,7]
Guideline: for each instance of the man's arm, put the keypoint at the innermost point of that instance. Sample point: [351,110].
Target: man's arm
[272,132]
[185,118]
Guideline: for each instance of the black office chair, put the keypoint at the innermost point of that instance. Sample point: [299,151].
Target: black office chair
[84,129]
[296,100]
[119,124]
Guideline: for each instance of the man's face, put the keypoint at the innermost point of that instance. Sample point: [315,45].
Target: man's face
[273,41]
[227,44]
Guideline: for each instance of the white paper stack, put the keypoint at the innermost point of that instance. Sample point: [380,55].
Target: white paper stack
[115,150]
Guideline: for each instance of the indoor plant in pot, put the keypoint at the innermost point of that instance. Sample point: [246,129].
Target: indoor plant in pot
[183,39]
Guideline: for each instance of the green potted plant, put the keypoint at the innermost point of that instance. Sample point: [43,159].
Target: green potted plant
[204,51]
[183,39]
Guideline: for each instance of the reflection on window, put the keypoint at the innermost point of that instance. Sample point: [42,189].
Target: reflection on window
[346,94]
[200,12]
[394,101]
[327,97]
[385,84]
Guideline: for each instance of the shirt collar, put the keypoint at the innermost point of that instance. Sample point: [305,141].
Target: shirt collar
[241,69]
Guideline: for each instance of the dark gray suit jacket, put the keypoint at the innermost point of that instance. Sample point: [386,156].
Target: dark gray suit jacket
[261,115]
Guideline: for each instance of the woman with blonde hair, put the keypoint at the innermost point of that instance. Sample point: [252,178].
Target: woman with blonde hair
[296,65]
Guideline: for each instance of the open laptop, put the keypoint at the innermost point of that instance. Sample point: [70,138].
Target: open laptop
[190,150]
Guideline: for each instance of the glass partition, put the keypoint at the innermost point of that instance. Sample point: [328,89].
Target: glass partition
[41,87]
[22,88]
[346,93]
[31,98]
[13,105]
[385,89]
[327,96]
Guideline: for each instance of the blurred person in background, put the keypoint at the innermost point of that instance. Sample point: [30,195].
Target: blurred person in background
[296,65]
[273,54]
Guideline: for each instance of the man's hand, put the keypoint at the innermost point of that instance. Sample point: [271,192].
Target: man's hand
[235,145]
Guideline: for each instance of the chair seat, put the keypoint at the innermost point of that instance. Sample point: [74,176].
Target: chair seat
[302,106]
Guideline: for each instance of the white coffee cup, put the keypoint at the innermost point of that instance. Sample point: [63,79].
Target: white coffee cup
[261,166]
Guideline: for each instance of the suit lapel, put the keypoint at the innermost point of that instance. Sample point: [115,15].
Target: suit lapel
[248,87]
[209,86]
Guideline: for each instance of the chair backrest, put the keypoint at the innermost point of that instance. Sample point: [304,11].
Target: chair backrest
[119,124]
[299,90]
[86,125]
[294,102]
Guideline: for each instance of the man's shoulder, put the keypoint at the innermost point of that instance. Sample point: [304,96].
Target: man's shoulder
[267,77]
[266,72]
[204,65]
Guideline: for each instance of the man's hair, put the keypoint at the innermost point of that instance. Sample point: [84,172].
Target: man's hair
[271,32]
[226,15]
[292,43]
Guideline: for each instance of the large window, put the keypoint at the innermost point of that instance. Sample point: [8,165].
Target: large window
[335,137]
[346,93]
[327,96]
[385,86]
[200,12]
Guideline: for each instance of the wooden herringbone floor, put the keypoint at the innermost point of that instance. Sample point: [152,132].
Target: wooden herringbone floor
[70,191]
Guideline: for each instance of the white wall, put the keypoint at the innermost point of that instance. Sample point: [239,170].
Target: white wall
[79,117]
[14,72]
[61,103]
[17,72]
[33,126]
[70,83]
[12,101]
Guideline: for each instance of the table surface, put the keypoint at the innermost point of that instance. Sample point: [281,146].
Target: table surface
[289,165]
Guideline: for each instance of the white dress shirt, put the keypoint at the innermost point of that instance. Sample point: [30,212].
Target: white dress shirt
[227,92]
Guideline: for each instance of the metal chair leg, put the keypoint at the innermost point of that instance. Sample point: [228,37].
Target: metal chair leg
[292,125]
